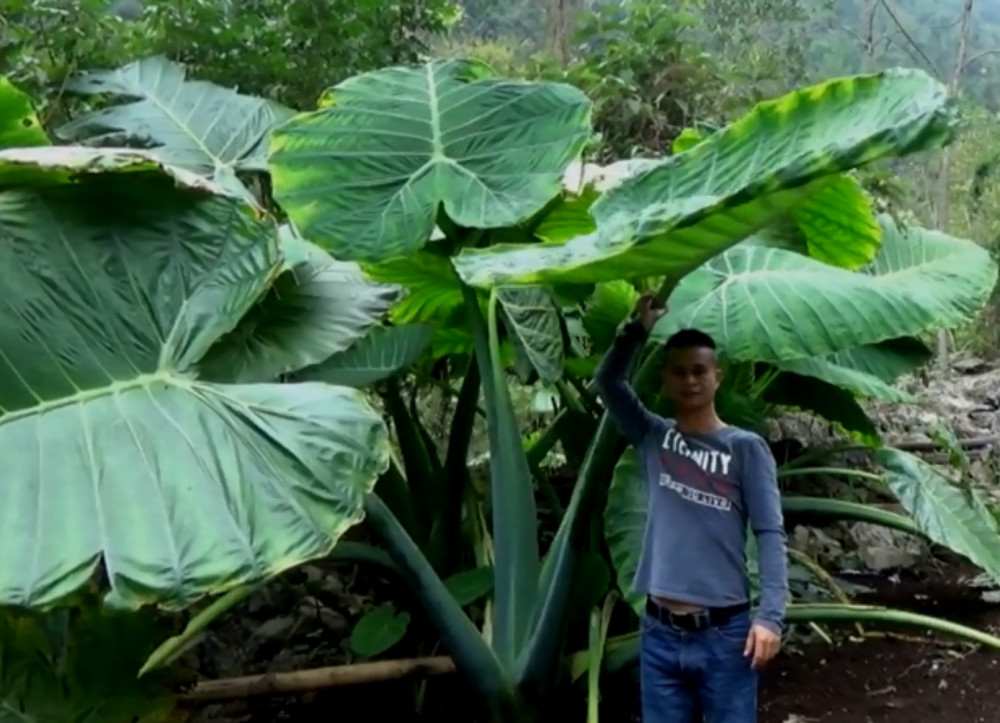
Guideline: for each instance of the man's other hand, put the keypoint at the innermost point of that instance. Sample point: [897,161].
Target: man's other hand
[763,644]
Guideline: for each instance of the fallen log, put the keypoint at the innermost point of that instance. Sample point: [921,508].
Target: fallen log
[303,681]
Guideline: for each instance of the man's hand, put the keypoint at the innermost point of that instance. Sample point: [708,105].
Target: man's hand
[763,644]
[649,310]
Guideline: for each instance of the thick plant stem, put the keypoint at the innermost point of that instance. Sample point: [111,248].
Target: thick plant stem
[784,473]
[472,655]
[172,648]
[817,571]
[447,528]
[416,461]
[537,665]
[358,552]
[515,520]
[833,509]
[393,489]
[600,619]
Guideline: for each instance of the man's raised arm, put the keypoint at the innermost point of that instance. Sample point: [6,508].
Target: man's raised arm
[631,417]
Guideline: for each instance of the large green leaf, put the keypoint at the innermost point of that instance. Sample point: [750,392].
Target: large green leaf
[532,319]
[867,370]
[211,131]
[380,354]
[116,455]
[316,308]
[434,292]
[19,124]
[611,303]
[365,176]
[774,305]
[671,218]
[838,224]
[950,516]
[625,523]
[48,165]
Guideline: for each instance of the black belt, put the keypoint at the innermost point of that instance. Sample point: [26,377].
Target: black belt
[693,622]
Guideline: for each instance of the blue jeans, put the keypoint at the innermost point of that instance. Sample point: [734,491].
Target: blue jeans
[684,675]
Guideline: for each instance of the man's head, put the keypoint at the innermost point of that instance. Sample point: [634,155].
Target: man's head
[692,375]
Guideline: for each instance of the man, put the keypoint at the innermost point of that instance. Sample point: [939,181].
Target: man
[700,646]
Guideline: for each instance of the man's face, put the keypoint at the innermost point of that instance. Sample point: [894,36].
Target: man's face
[691,378]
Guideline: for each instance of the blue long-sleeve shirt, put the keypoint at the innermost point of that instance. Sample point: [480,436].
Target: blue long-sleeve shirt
[703,489]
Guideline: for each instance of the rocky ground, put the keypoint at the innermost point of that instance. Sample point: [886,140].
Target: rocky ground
[304,620]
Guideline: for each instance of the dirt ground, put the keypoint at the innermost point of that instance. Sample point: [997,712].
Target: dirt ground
[892,680]
[883,681]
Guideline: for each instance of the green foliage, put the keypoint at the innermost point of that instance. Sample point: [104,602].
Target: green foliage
[647,79]
[804,308]
[491,20]
[693,214]
[378,630]
[19,125]
[210,131]
[947,514]
[443,134]
[117,392]
[481,235]
[77,665]
[288,51]
[673,216]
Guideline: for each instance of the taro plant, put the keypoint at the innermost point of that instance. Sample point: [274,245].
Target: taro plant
[153,459]
[413,167]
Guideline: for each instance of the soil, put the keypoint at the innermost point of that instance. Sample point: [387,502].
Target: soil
[894,680]
[884,681]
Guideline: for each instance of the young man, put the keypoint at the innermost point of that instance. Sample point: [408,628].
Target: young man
[700,647]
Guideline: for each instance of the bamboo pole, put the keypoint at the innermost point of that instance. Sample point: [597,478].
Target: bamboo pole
[302,681]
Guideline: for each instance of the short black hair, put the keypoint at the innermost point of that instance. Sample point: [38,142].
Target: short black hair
[690,339]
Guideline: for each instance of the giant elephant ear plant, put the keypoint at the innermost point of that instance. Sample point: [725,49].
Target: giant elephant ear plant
[150,455]
[393,153]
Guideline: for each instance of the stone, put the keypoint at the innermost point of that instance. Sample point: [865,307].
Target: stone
[880,548]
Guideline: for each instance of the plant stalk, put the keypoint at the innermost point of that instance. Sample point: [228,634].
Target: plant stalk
[538,663]
[472,655]
[515,518]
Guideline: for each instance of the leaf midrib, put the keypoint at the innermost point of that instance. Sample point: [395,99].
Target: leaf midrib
[152,97]
[168,377]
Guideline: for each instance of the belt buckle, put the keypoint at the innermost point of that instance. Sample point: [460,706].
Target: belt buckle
[693,622]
